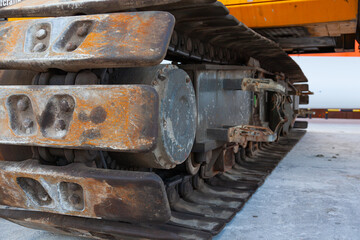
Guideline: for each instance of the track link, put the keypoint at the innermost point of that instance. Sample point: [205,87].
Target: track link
[199,209]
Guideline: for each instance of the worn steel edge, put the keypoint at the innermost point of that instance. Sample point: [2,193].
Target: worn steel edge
[55,8]
[85,227]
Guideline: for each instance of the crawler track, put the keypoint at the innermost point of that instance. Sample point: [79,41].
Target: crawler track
[203,203]
[200,209]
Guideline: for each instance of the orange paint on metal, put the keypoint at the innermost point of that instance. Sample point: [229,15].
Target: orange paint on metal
[267,13]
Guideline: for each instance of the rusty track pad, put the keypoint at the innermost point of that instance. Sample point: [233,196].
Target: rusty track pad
[107,117]
[95,41]
[82,191]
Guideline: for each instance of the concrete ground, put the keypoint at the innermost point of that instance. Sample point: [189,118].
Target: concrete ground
[313,194]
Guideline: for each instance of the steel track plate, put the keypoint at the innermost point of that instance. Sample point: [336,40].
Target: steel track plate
[83,42]
[78,190]
[106,117]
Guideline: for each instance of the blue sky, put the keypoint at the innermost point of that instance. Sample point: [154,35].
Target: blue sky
[335,81]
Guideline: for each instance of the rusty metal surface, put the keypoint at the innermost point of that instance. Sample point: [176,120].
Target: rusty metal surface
[257,85]
[96,41]
[204,33]
[199,208]
[82,191]
[55,8]
[112,117]
[243,134]
[254,85]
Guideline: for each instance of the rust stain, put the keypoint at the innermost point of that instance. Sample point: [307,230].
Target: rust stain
[107,194]
[112,40]
[98,115]
[116,124]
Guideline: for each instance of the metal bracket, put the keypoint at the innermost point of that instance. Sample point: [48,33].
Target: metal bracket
[242,134]
[254,85]
[257,85]
[300,89]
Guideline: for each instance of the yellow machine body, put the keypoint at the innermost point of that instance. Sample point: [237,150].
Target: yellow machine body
[282,13]
[301,26]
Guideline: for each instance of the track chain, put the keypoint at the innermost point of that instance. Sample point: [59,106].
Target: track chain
[200,208]
[204,207]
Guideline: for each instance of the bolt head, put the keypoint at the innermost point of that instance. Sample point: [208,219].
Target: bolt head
[28,123]
[60,125]
[23,104]
[41,34]
[40,47]
[70,46]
